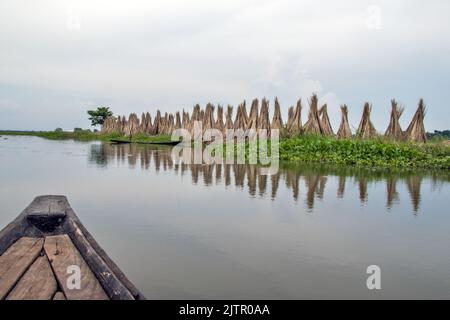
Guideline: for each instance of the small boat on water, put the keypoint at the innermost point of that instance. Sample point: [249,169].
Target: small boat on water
[47,254]
[167,143]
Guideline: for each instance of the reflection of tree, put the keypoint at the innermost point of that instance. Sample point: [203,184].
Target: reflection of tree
[315,176]
[97,155]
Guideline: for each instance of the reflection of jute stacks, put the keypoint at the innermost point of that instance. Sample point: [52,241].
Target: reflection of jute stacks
[312,183]
[362,184]
[414,184]
[275,181]
[207,174]
[341,187]
[227,174]
[239,174]
[252,173]
[249,175]
[262,184]
[218,172]
[391,192]
[321,189]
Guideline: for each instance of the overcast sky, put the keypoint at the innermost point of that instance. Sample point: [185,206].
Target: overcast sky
[60,58]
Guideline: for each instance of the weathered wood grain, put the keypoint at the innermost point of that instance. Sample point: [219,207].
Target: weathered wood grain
[38,283]
[47,213]
[107,277]
[62,254]
[16,260]
[51,215]
[59,296]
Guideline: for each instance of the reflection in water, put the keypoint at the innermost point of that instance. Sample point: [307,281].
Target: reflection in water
[414,183]
[391,191]
[314,177]
[362,183]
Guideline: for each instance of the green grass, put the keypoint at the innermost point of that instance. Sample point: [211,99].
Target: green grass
[87,135]
[82,135]
[365,153]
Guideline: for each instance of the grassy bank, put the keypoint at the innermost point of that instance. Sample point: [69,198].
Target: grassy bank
[308,149]
[365,153]
[82,135]
[86,135]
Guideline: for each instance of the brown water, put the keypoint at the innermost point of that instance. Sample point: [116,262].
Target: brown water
[222,232]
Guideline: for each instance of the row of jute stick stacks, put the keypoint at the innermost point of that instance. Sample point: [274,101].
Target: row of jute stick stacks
[318,122]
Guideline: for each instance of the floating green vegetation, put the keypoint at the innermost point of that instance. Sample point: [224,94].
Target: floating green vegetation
[366,153]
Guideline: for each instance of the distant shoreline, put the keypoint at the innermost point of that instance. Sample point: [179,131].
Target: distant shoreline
[374,153]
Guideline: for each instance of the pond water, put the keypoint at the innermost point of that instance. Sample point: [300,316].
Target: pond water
[226,232]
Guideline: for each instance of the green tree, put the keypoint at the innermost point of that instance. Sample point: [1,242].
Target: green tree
[97,117]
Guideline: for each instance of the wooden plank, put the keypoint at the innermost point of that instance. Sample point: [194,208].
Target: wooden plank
[62,254]
[97,259]
[16,260]
[38,283]
[59,296]
[47,212]
[48,205]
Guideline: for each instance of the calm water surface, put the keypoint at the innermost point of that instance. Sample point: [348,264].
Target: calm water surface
[222,232]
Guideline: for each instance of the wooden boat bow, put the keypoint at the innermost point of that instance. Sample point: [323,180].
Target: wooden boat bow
[51,219]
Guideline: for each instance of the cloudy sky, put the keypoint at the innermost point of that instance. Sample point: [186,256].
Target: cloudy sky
[60,58]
